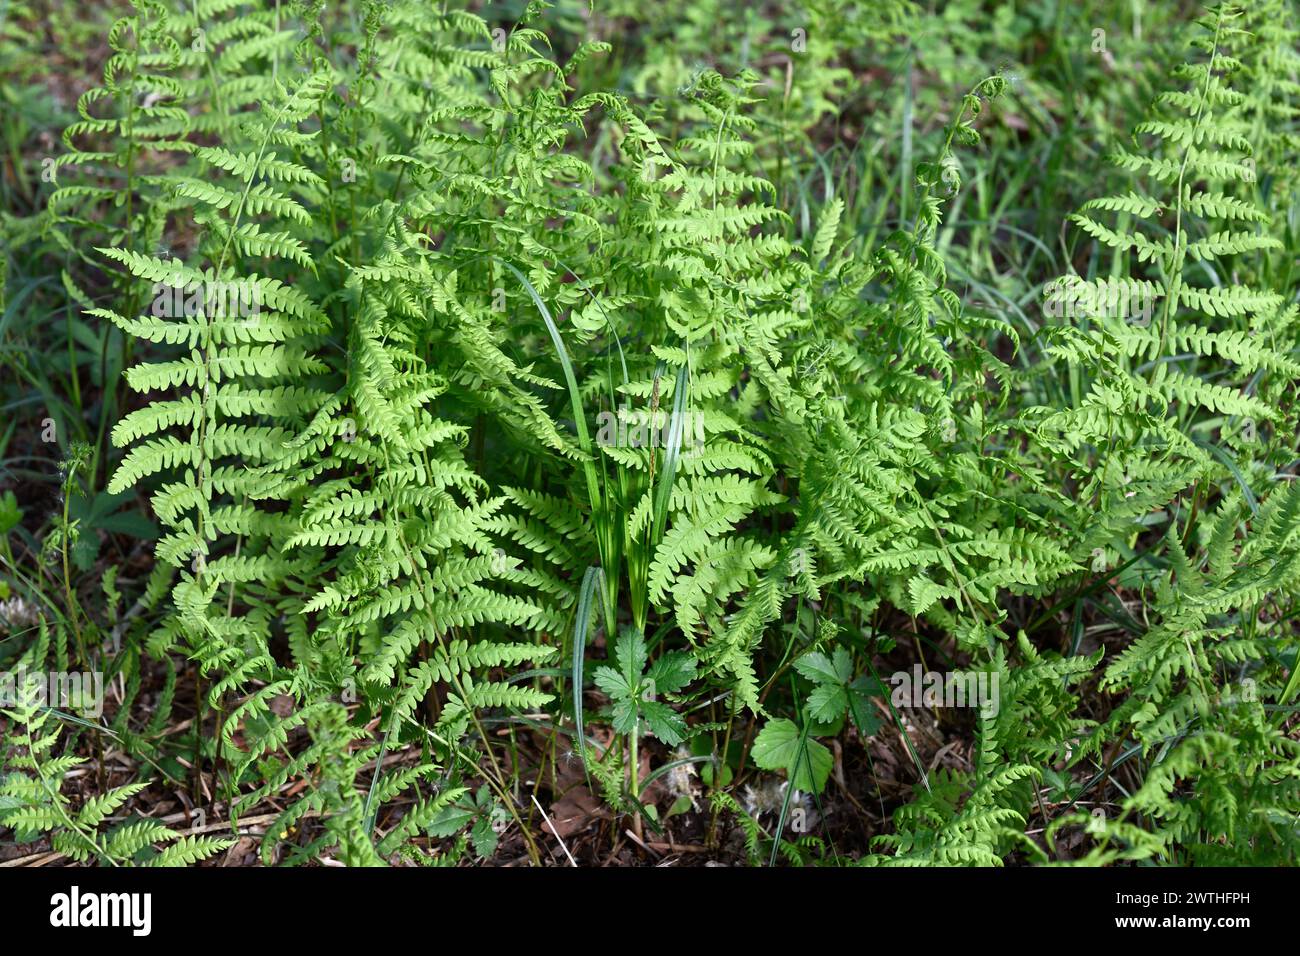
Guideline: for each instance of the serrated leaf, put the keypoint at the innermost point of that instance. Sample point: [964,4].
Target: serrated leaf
[484,837]
[612,683]
[819,668]
[672,672]
[631,655]
[827,702]
[664,722]
[864,715]
[781,746]
[625,715]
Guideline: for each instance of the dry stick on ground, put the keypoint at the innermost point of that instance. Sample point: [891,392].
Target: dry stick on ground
[555,832]
[642,844]
[678,847]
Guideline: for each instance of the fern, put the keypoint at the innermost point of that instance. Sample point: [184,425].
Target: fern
[33,804]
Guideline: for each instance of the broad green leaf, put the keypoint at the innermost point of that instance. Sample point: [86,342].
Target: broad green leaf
[781,746]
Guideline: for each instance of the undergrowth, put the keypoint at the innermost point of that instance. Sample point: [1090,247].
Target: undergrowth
[450,438]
